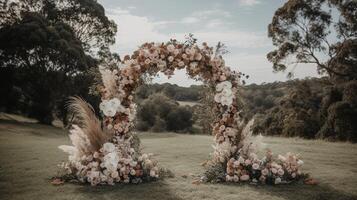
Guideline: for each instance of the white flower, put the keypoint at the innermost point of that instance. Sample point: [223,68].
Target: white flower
[193,65]
[227,101]
[218,98]
[280,172]
[225,97]
[241,160]
[152,173]
[170,58]
[227,92]
[111,161]
[277,181]
[222,85]
[281,158]
[111,107]
[229,178]
[293,175]
[132,172]
[108,147]
[300,162]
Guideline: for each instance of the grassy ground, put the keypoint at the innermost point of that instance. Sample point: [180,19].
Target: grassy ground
[29,155]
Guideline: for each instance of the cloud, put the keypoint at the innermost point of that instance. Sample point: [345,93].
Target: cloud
[134,30]
[248,3]
[232,38]
[204,14]
[260,69]
[190,20]
[198,17]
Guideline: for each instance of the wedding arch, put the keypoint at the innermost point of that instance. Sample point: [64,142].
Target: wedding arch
[107,153]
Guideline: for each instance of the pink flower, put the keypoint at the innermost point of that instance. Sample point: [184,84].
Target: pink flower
[265,171]
[147,61]
[281,172]
[255,166]
[248,162]
[245,177]
[184,56]
[170,47]
[170,58]
[181,64]
[235,178]
[198,56]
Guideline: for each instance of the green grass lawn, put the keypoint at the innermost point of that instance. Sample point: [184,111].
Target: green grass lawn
[29,157]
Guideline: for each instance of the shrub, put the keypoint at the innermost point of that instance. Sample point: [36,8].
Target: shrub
[159,113]
[180,118]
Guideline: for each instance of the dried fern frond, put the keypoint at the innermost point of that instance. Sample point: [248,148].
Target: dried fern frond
[88,135]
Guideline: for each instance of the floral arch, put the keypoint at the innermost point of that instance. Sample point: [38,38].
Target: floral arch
[117,158]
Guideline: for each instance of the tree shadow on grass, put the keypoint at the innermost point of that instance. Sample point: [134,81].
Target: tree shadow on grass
[151,190]
[299,191]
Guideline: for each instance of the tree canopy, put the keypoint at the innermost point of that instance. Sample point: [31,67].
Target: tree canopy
[47,47]
[319,32]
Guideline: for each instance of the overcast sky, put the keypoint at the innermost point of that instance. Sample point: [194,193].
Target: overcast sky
[240,24]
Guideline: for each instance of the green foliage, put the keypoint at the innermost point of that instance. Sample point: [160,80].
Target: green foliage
[304,31]
[180,118]
[204,113]
[172,91]
[310,108]
[45,48]
[160,113]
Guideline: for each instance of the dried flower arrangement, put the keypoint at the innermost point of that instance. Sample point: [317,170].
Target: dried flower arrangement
[107,156]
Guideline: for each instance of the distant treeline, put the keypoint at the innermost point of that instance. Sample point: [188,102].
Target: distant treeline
[309,108]
[172,91]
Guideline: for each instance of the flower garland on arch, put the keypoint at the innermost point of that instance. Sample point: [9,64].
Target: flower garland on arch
[118,161]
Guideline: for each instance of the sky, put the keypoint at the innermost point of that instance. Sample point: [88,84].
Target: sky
[240,24]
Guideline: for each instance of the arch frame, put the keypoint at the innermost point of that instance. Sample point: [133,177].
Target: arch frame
[120,160]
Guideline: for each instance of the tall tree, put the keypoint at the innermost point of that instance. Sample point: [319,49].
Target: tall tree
[319,32]
[86,18]
[46,48]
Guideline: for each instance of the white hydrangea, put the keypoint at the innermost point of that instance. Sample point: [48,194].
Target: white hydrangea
[108,147]
[111,107]
[225,94]
[222,85]
[111,161]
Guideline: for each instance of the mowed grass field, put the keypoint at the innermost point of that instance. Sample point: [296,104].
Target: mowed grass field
[29,158]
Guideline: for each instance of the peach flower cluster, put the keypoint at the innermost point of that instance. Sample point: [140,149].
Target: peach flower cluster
[268,170]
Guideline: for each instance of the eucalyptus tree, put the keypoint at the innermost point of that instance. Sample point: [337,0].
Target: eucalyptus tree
[318,32]
[46,47]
